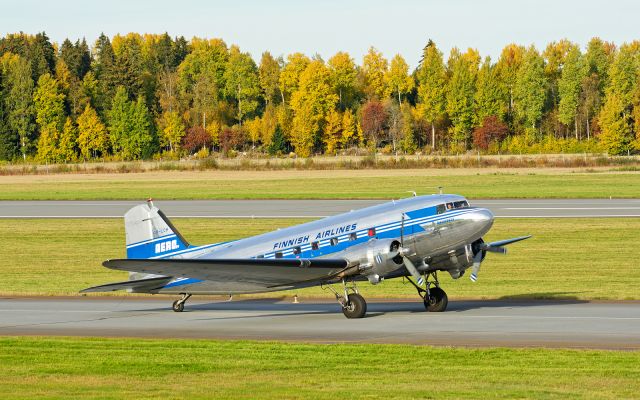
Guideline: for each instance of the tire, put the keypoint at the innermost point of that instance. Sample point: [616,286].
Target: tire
[356,306]
[437,301]
[178,306]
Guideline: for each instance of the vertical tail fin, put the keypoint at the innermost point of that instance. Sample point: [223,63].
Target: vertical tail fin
[150,234]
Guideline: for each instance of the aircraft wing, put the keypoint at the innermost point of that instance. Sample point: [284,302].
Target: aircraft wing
[267,272]
[135,285]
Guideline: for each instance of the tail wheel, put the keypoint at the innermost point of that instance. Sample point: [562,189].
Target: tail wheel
[436,301]
[356,306]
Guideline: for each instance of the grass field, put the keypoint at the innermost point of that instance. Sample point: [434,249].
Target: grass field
[567,258]
[49,368]
[326,184]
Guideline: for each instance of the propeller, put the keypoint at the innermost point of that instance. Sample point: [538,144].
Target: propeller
[493,247]
[402,251]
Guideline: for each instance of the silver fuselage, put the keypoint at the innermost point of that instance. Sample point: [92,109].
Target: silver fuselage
[437,239]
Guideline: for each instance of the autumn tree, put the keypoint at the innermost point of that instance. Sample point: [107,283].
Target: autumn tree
[431,87]
[241,82]
[349,130]
[332,136]
[616,135]
[492,130]
[569,86]
[374,68]
[460,97]
[507,69]
[289,79]
[201,81]
[310,104]
[66,150]
[615,118]
[397,78]
[92,134]
[529,91]
[597,62]
[172,130]
[374,120]
[269,75]
[490,96]
[195,139]
[343,78]
[49,105]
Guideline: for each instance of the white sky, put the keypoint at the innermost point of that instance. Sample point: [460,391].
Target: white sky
[325,27]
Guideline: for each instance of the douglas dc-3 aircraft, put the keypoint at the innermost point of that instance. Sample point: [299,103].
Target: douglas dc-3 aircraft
[415,238]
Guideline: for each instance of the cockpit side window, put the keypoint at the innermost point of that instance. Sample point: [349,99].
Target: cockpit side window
[461,204]
[440,209]
[449,206]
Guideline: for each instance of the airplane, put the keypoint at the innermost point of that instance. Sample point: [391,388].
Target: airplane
[414,238]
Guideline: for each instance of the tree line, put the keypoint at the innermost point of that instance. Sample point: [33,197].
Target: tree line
[139,96]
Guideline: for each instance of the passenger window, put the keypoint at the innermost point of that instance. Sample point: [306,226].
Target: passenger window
[314,246]
[334,241]
[297,250]
[260,256]
[353,236]
[449,206]
[440,209]
[279,254]
[372,232]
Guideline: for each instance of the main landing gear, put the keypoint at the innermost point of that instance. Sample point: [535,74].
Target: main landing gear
[353,304]
[435,299]
[178,305]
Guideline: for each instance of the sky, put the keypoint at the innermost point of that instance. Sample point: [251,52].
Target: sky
[326,27]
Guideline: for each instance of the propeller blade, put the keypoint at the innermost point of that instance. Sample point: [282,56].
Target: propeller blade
[413,270]
[496,249]
[507,241]
[477,261]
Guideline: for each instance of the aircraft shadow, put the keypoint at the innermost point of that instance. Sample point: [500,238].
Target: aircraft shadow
[276,307]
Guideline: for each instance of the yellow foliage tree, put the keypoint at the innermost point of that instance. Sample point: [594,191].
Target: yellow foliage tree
[397,78]
[332,131]
[349,129]
[374,67]
[310,104]
[92,134]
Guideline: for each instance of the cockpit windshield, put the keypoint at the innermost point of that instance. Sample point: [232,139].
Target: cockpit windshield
[442,208]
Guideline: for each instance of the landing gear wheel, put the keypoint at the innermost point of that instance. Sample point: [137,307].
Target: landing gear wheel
[178,306]
[356,306]
[436,301]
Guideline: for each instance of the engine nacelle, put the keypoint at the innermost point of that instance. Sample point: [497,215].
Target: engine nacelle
[376,258]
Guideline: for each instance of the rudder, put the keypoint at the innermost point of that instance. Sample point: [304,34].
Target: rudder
[150,234]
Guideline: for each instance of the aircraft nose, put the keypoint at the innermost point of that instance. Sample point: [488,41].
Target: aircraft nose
[483,215]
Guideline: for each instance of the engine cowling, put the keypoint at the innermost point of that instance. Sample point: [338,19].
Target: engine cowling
[376,258]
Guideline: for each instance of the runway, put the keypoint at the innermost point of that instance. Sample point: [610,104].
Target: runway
[538,208]
[565,324]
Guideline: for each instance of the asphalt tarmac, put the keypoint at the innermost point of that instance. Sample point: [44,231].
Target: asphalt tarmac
[308,208]
[564,324]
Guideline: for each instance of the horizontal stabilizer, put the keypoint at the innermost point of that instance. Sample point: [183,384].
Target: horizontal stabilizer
[140,285]
[269,272]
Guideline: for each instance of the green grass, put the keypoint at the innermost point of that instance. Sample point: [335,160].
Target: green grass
[567,258]
[376,184]
[51,368]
